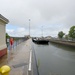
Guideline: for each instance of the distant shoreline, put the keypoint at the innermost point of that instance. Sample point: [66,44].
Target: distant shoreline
[68,43]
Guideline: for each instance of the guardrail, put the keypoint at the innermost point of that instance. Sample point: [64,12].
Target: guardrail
[30,64]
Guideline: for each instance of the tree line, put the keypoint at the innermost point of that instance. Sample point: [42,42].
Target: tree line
[70,35]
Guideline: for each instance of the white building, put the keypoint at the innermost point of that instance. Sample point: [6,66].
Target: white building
[3,47]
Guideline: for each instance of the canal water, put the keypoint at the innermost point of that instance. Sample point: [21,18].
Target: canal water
[55,59]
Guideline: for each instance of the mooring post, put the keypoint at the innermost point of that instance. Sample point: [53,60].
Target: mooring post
[4,70]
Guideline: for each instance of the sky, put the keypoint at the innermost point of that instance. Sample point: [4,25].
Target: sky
[49,16]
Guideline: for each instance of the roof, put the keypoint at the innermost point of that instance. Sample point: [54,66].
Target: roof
[4,19]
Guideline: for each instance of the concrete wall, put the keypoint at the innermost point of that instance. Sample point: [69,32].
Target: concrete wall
[3,47]
[2,35]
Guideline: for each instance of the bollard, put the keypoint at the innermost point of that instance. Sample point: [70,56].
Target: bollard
[4,70]
[30,64]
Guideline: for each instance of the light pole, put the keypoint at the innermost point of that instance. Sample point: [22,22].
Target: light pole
[42,31]
[29,27]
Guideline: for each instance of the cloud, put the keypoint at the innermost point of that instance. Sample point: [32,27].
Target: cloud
[18,32]
[10,31]
[41,12]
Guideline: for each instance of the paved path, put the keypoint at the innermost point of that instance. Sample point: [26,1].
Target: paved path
[18,59]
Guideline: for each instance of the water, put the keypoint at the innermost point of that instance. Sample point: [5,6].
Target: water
[55,59]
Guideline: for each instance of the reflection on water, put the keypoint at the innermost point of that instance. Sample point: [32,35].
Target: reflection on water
[64,47]
[11,52]
[55,59]
[6,58]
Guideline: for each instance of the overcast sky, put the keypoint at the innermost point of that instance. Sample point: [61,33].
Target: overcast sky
[53,15]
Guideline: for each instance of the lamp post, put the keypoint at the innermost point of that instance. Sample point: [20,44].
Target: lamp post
[29,27]
[42,31]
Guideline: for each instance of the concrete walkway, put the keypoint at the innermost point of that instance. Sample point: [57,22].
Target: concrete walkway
[18,59]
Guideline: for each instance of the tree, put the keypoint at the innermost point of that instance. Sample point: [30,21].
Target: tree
[7,36]
[72,32]
[61,34]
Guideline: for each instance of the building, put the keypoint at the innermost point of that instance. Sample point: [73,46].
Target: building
[48,37]
[27,36]
[3,47]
